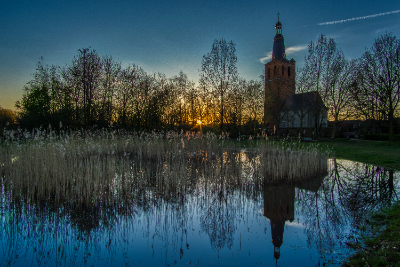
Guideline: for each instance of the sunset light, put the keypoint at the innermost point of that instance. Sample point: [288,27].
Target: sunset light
[159,133]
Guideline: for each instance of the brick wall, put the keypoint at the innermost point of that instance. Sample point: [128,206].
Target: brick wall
[279,83]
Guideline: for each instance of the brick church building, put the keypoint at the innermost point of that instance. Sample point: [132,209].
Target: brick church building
[283,108]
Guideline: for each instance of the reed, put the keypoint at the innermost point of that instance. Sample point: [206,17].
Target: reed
[110,167]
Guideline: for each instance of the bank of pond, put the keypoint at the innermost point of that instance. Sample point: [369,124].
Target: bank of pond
[172,198]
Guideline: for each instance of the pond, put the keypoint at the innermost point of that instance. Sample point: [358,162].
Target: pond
[230,220]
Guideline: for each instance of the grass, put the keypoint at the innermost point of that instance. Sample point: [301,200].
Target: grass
[383,247]
[381,153]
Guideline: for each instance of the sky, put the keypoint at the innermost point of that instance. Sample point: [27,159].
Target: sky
[173,35]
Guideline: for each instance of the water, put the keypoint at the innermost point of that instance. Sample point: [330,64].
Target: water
[205,223]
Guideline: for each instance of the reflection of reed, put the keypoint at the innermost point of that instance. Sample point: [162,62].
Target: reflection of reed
[100,168]
[292,165]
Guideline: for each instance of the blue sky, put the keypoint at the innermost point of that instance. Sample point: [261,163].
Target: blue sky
[169,36]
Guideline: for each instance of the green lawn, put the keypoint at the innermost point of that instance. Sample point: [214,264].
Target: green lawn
[382,249]
[382,153]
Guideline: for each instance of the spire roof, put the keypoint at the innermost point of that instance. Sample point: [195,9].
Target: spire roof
[278,51]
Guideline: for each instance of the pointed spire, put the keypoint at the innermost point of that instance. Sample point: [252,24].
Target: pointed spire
[278,51]
[278,26]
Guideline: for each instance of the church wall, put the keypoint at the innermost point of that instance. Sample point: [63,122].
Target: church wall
[279,84]
[291,119]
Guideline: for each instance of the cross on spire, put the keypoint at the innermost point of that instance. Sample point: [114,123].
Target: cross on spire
[278,16]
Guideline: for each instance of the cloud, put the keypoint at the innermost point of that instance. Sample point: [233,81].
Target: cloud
[289,51]
[359,18]
[294,49]
[265,59]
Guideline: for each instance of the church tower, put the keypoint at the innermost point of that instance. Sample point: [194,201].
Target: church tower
[279,78]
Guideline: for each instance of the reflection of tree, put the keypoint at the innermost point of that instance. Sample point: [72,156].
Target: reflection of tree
[218,220]
[219,209]
[362,188]
[350,192]
[322,218]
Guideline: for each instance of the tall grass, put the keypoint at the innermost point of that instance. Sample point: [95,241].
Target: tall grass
[103,167]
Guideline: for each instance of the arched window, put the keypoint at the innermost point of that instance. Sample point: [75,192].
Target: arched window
[283,70]
[288,71]
[274,70]
[269,73]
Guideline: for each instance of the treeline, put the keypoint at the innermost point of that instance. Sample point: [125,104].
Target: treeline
[367,88]
[97,90]
[94,90]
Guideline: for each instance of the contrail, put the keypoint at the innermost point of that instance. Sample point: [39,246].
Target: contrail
[358,18]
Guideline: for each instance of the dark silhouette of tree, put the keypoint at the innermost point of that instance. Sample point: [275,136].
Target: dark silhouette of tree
[254,101]
[109,82]
[35,106]
[84,77]
[235,102]
[380,77]
[219,72]
[127,93]
[338,86]
[320,54]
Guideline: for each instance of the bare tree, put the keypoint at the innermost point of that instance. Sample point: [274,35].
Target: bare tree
[254,102]
[317,66]
[219,72]
[180,85]
[84,78]
[206,107]
[338,98]
[235,103]
[380,70]
[110,73]
[128,92]
[330,74]
[191,96]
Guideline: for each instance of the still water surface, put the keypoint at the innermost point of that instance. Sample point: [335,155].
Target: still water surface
[206,224]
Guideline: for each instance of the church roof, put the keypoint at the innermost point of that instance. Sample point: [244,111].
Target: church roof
[308,100]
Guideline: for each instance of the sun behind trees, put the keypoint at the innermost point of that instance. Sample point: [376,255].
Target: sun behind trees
[94,90]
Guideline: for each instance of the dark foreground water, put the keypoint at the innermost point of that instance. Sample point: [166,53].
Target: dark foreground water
[206,224]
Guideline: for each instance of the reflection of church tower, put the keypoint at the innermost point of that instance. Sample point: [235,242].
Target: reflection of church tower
[279,72]
[278,208]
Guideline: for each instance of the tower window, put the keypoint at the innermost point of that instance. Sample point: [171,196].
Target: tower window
[288,71]
[274,70]
[283,70]
[269,73]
